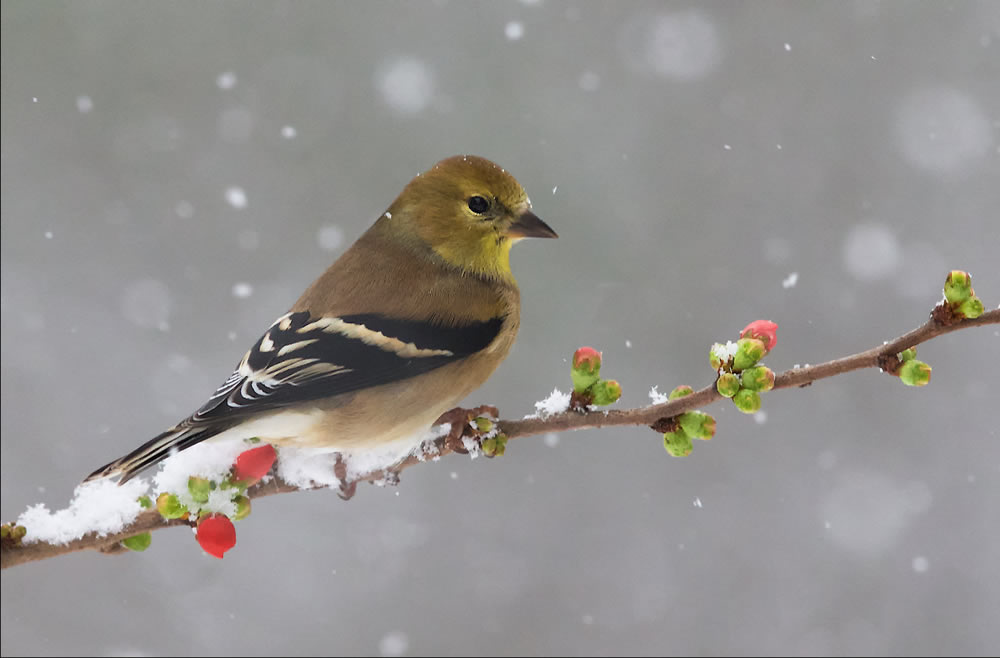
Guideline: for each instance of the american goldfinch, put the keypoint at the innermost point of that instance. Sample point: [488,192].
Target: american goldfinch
[413,317]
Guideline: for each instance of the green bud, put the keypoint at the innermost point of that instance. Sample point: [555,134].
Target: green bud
[915,373]
[229,483]
[697,425]
[606,391]
[494,446]
[680,392]
[483,424]
[727,384]
[242,508]
[12,533]
[717,356]
[139,542]
[971,308]
[748,352]
[677,443]
[747,401]
[169,507]
[757,378]
[144,502]
[906,355]
[199,488]
[252,439]
[957,287]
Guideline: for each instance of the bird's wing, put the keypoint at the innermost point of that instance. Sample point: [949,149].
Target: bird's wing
[302,357]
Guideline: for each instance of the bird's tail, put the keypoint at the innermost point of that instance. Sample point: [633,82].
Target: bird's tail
[153,451]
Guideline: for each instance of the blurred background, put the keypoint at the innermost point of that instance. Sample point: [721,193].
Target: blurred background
[174,174]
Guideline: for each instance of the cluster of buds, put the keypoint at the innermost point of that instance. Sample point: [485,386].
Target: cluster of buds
[215,532]
[688,425]
[12,534]
[492,442]
[960,297]
[911,371]
[740,376]
[588,387]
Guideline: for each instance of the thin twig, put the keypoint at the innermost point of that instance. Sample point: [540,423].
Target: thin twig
[149,520]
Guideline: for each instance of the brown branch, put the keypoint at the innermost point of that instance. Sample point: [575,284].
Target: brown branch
[939,323]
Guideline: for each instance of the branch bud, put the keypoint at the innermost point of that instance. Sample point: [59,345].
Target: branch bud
[216,535]
[251,465]
[680,392]
[764,331]
[677,443]
[242,507]
[748,352]
[747,401]
[606,391]
[915,373]
[169,507]
[971,308]
[958,287]
[139,542]
[727,384]
[758,378]
[586,368]
[697,425]
[199,488]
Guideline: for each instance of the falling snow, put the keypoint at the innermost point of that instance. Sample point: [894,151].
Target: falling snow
[514,30]
[226,80]
[871,251]
[242,290]
[330,237]
[406,85]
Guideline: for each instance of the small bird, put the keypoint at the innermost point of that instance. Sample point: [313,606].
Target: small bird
[413,317]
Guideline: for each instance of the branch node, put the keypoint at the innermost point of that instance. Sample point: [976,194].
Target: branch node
[890,364]
[944,316]
[665,424]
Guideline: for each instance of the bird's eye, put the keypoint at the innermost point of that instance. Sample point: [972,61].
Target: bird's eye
[478,205]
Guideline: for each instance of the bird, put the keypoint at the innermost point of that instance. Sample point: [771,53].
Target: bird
[409,320]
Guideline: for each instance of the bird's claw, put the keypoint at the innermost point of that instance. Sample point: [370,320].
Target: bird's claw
[347,489]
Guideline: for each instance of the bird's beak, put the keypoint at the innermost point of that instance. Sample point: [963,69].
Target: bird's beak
[528,225]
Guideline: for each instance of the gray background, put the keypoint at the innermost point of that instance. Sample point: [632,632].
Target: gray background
[699,161]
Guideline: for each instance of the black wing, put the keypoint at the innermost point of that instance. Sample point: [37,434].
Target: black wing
[303,358]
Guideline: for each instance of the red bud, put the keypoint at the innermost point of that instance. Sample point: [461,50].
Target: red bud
[587,357]
[764,331]
[254,464]
[216,535]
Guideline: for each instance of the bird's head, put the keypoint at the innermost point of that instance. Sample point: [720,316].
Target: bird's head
[469,212]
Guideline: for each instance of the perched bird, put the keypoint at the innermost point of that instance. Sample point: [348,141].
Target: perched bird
[413,317]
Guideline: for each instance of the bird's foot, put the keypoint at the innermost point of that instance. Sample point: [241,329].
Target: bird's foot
[473,429]
[347,489]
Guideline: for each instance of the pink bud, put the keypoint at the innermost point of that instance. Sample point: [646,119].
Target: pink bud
[587,358]
[763,330]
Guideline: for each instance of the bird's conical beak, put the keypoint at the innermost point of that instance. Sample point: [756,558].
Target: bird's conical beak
[528,225]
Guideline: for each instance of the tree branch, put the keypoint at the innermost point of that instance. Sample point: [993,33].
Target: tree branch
[884,356]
